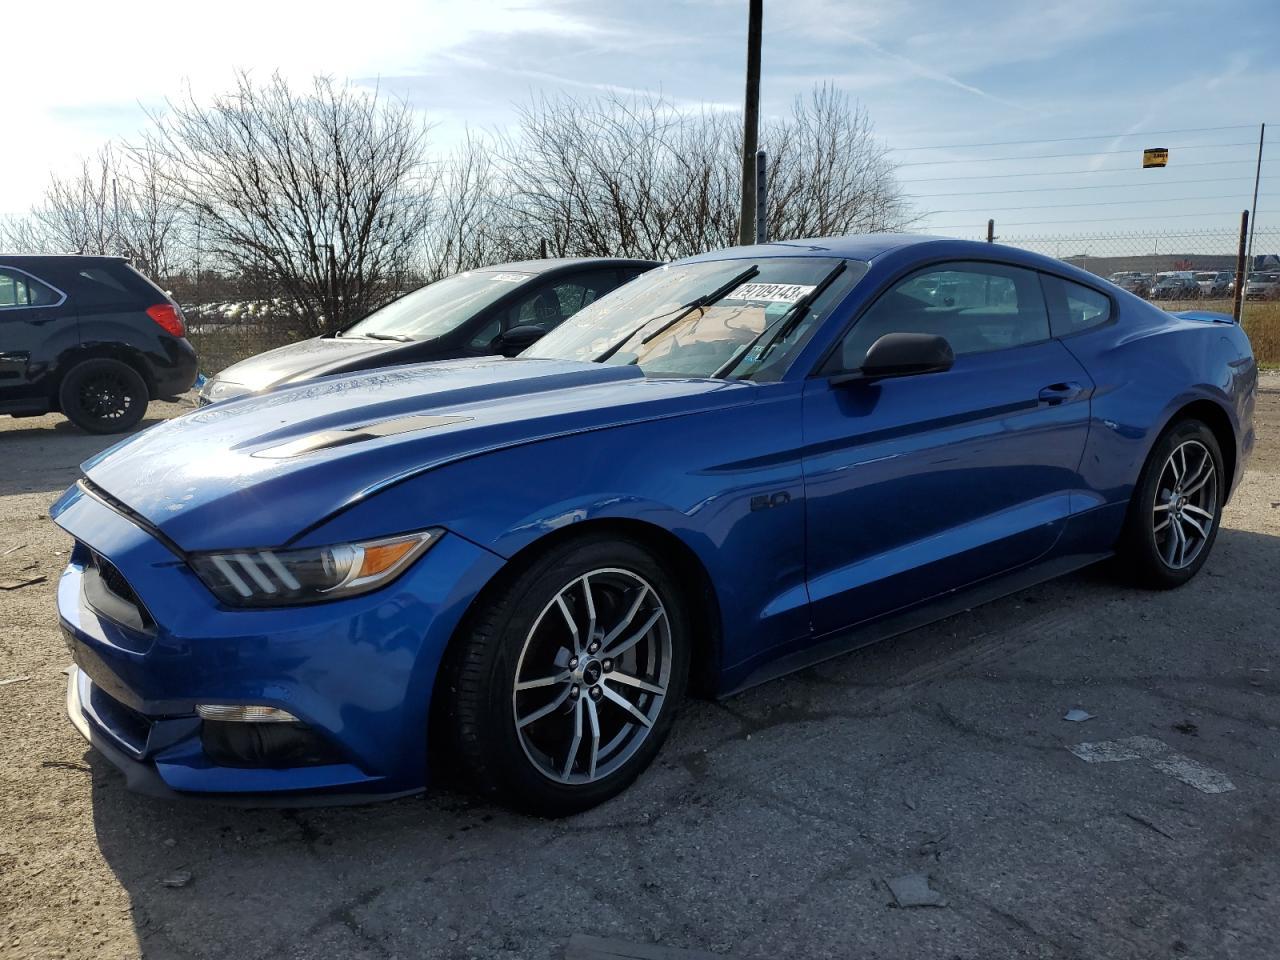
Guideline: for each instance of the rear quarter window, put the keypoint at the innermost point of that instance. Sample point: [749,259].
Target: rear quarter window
[1074,307]
[114,285]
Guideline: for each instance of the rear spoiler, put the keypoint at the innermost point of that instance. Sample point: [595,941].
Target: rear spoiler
[1204,316]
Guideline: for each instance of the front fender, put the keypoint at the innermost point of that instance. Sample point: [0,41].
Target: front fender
[727,483]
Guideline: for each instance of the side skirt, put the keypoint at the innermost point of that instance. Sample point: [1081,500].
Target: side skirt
[939,608]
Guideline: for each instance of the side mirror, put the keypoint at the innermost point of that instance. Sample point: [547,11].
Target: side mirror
[902,355]
[518,339]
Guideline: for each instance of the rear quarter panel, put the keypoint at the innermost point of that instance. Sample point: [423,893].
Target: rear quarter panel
[1147,367]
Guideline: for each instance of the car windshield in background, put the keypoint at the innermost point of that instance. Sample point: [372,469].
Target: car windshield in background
[715,318]
[438,307]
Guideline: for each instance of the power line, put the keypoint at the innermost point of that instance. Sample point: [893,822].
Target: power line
[1101,136]
[1095,203]
[1072,173]
[1036,223]
[1059,156]
[1088,186]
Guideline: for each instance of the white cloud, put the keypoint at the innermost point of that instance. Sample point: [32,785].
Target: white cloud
[108,57]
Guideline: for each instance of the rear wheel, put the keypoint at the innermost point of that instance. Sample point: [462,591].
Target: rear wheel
[103,396]
[1177,507]
[565,684]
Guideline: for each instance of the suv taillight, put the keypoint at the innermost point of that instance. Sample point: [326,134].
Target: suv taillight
[168,316]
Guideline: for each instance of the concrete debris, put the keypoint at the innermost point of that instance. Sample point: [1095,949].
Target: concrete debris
[1076,715]
[913,890]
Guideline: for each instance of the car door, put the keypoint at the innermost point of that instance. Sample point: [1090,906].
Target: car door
[547,303]
[919,485]
[36,327]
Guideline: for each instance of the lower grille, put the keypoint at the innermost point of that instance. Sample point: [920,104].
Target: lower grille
[128,727]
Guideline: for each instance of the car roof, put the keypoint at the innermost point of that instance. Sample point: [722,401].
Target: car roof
[862,246]
[557,263]
[870,246]
[48,257]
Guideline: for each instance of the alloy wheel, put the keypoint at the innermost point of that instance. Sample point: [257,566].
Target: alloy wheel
[106,397]
[1186,505]
[592,676]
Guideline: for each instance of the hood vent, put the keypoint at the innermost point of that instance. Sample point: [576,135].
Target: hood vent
[327,439]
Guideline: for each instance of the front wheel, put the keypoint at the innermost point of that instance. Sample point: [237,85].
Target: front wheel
[1176,508]
[565,683]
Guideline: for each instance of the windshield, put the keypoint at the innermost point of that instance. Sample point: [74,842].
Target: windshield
[741,318]
[1264,277]
[438,307]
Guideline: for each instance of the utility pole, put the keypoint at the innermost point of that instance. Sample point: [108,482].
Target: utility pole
[751,124]
[762,197]
[1253,210]
[1242,271]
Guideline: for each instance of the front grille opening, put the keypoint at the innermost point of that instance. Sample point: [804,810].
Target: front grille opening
[127,607]
[265,745]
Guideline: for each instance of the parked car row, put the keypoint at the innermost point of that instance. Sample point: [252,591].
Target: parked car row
[1179,284]
[727,468]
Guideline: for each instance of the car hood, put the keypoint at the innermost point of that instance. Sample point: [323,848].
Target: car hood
[307,359]
[260,470]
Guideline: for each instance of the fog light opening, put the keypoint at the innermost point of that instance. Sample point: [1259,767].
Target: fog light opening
[239,713]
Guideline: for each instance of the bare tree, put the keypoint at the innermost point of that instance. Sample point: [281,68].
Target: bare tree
[633,176]
[112,207]
[470,225]
[323,194]
[829,173]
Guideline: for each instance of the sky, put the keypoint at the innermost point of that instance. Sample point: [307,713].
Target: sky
[966,94]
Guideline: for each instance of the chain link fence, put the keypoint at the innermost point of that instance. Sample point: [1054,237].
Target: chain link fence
[1182,270]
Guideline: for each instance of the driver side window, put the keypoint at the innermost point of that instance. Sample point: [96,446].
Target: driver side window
[978,307]
[548,305]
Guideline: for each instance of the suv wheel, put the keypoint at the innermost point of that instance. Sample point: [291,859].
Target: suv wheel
[103,396]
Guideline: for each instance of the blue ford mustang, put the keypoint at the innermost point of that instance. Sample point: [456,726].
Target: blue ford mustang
[737,465]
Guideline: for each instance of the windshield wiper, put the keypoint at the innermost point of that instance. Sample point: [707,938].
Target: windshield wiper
[681,312]
[398,337]
[781,327]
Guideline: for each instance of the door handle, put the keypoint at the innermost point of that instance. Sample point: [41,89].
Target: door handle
[1057,393]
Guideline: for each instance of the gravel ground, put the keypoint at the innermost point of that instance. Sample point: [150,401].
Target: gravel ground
[771,823]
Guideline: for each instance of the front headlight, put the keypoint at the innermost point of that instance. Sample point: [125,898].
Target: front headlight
[215,390]
[272,578]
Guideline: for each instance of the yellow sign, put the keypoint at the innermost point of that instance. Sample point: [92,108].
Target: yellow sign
[1155,157]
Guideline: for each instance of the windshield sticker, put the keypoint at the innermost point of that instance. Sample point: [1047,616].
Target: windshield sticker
[771,292]
[511,277]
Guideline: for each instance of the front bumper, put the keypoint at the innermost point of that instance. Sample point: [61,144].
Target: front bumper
[358,673]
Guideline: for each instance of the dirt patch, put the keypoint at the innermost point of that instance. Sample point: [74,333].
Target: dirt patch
[770,823]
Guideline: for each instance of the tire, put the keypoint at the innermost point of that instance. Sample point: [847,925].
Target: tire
[103,396]
[1174,496]
[517,745]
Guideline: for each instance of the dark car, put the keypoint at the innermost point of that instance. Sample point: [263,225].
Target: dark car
[496,310]
[90,337]
[1175,286]
[1139,284]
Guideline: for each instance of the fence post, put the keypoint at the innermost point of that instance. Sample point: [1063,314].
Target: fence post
[991,231]
[542,247]
[1240,265]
